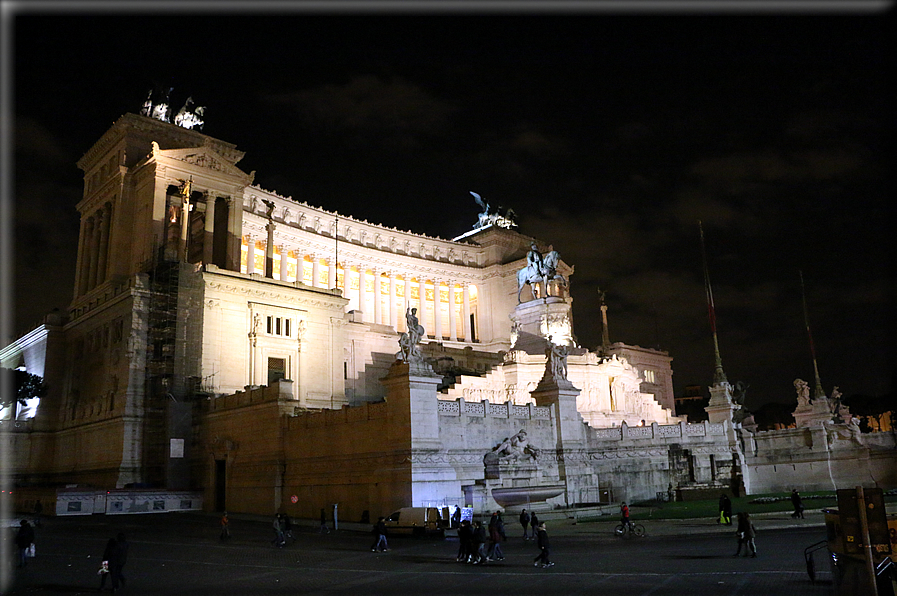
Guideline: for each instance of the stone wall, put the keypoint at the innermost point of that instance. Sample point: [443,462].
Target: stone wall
[820,458]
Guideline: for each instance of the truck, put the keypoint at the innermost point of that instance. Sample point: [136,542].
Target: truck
[417,521]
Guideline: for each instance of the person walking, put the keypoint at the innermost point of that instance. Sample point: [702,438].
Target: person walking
[465,541]
[544,550]
[278,532]
[109,553]
[379,532]
[287,527]
[533,524]
[479,543]
[496,535]
[225,526]
[797,503]
[324,529]
[725,510]
[24,540]
[524,521]
[117,562]
[746,534]
[38,511]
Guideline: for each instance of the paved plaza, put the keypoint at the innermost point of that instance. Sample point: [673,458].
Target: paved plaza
[181,553]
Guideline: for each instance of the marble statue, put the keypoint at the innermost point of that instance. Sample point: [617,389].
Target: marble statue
[803,392]
[408,341]
[513,448]
[557,360]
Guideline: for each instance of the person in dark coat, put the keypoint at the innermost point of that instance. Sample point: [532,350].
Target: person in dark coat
[544,547]
[496,536]
[117,566]
[725,510]
[379,532]
[798,504]
[465,540]
[479,543]
[109,553]
[534,523]
[524,521]
[24,540]
[746,534]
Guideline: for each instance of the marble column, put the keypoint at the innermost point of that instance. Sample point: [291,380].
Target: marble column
[269,251]
[234,234]
[437,309]
[331,273]
[80,276]
[284,262]
[250,253]
[422,303]
[361,292]
[468,336]
[103,249]
[453,319]
[315,270]
[392,300]
[208,241]
[377,295]
[186,207]
[94,251]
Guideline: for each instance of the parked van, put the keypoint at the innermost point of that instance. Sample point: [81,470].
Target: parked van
[417,521]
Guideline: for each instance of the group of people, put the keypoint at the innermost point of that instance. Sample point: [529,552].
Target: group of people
[283,529]
[480,544]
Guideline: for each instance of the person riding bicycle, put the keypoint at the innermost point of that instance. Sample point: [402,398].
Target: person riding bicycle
[624,513]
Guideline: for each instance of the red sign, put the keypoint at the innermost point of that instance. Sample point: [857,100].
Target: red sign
[294,499]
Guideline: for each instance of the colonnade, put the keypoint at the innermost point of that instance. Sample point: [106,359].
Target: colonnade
[383,296]
[93,250]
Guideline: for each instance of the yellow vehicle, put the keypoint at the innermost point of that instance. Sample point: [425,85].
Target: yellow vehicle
[417,521]
[850,573]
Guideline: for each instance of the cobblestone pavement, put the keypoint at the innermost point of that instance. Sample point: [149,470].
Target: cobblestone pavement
[181,553]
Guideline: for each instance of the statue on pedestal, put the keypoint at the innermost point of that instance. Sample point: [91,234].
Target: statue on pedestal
[803,393]
[409,340]
[539,269]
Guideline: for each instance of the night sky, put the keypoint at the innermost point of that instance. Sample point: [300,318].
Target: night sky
[609,135]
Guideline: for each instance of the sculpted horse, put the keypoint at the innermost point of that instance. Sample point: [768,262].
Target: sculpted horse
[546,274]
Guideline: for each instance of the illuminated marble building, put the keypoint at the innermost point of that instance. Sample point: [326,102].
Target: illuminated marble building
[194,284]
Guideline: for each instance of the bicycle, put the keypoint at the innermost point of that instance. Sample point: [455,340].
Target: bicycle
[629,530]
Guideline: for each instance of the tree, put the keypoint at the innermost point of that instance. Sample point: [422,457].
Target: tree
[25,384]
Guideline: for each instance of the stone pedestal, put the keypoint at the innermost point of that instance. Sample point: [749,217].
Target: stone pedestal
[538,319]
[721,406]
[814,414]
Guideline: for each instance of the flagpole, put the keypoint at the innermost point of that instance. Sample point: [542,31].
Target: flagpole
[818,393]
[719,376]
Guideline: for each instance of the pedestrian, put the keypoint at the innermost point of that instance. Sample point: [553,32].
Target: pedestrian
[324,529]
[117,561]
[465,541]
[38,510]
[287,527]
[624,515]
[379,532]
[533,523]
[746,534]
[24,542]
[456,517]
[479,543]
[544,550]
[278,531]
[496,535]
[797,503]
[725,510]
[109,553]
[524,521]
[225,526]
